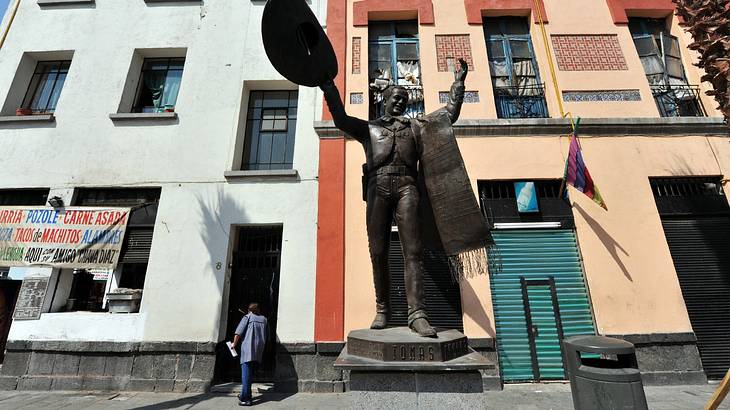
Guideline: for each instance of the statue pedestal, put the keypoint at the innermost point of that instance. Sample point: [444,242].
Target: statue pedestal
[397,359]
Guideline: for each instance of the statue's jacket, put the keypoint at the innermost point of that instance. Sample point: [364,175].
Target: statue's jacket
[381,141]
[450,206]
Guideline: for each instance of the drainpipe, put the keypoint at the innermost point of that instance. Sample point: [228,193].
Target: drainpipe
[14,11]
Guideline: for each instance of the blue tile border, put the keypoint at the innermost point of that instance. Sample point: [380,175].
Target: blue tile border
[601,96]
[470,97]
[356,98]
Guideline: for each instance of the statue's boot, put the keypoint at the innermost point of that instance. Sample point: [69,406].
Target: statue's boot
[380,321]
[422,327]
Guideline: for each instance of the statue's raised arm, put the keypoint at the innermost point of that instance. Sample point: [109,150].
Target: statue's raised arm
[354,127]
[456,94]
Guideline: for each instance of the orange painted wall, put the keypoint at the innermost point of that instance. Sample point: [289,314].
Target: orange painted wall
[628,268]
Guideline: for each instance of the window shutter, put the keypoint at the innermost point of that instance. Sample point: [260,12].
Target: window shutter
[672,58]
[443,294]
[137,244]
[650,57]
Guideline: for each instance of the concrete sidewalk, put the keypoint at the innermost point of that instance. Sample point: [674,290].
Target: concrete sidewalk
[520,397]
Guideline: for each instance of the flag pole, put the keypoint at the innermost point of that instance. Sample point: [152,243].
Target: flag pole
[563,183]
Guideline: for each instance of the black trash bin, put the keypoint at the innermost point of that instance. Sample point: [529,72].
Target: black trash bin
[612,381]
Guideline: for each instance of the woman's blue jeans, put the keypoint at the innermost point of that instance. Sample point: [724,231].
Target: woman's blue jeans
[246,373]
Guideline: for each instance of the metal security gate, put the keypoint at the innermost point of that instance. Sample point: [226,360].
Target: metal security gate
[443,296]
[700,248]
[696,219]
[254,278]
[539,297]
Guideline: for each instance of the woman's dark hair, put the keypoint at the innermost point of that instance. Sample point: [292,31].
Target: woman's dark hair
[253,308]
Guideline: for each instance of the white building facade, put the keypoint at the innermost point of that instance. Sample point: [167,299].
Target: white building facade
[171,108]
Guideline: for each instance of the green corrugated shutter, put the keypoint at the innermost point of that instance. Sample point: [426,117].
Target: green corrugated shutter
[537,255]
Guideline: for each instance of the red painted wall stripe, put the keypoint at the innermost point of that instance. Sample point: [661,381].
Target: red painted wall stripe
[329,308]
[361,10]
[474,8]
[639,8]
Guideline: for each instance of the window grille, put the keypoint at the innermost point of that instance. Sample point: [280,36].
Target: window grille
[159,84]
[497,189]
[661,57]
[506,189]
[270,130]
[687,187]
[515,76]
[394,59]
[23,197]
[499,203]
[45,86]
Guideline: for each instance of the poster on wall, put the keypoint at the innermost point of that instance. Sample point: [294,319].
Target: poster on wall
[83,238]
[32,294]
[526,197]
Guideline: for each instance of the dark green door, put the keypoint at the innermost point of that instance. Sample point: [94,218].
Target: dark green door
[539,297]
[544,328]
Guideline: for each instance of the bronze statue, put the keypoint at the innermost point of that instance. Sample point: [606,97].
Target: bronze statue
[392,152]
[414,169]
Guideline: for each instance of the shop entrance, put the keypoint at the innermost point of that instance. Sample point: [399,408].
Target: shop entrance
[539,292]
[539,297]
[696,220]
[8,295]
[254,278]
[443,295]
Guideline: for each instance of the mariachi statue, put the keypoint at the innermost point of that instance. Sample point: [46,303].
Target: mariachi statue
[414,172]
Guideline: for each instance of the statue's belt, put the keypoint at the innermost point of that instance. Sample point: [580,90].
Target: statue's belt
[400,170]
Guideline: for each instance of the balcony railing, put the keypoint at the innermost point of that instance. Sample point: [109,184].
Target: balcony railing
[521,102]
[678,100]
[414,109]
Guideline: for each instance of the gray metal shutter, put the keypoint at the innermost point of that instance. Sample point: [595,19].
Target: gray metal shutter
[701,252]
[443,296]
[137,244]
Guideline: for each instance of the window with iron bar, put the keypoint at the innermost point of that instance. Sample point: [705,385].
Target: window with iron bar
[270,130]
[661,58]
[687,187]
[159,85]
[45,86]
[394,59]
[515,76]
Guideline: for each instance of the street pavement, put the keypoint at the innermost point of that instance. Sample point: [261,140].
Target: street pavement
[518,397]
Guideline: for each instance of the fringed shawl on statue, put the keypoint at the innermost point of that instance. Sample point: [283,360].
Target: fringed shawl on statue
[450,205]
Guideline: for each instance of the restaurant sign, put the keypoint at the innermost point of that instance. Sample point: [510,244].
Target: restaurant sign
[84,238]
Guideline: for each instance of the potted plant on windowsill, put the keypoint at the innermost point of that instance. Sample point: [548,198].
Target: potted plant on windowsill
[124,300]
[23,111]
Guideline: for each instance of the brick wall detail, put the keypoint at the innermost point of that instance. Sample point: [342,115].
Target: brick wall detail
[453,46]
[593,52]
[356,52]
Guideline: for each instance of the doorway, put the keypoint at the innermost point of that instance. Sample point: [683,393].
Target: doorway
[254,278]
[544,328]
[696,219]
[8,296]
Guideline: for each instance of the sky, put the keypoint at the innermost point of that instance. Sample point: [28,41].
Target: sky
[3,6]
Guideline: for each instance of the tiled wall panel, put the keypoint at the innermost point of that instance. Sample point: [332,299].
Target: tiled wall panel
[591,52]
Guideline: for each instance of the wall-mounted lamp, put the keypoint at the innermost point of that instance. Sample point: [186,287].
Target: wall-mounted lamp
[56,202]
